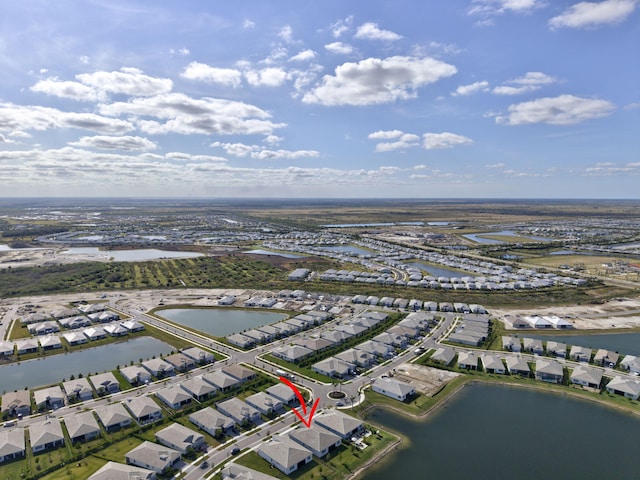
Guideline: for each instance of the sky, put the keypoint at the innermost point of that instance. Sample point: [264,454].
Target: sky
[320,99]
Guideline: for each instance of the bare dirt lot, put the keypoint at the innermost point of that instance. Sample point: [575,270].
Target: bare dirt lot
[618,313]
[426,380]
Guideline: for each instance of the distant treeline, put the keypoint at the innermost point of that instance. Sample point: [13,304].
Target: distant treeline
[33,231]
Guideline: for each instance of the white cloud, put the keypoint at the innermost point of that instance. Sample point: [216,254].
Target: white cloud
[248,24]
[67,89]
[370,31]
[127,81]
[4,139]
[530,82]
[18,119]
[509,90]
[341,26]
[385,134]
[594,14]
[186,115]
[495,165]
[273,139]
[472,88]
[84,60]
[561,110]
[497,7]
[374,81]
[404,142]
[261,153]
[224,76]
[184,52]
[126,143]
[303,56]
[266,77]
[339,48]
[444,140]
[286,34]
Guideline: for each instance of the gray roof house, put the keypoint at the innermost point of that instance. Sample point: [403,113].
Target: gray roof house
[332,367]
[343,425]
[143,409]
[221,380]
[211,421]
[376,348]
[291,353]
[135,374]
[158,367]
[180,438]
[82,426]
[240,340]
[557,349]
[627,387]
[580,354]
[152,456]
[492,363]
[94,333]
[283,393]
[468,360]
[317,439]
[631,363]
[357,357]
[12,444]
[16,403]
[444,355]
[174,396]
[113,416]
[78,389]
[198,388]
[49,398]
[239,372]
[586,376]
[533,345]
[120,471]
[393,388]
[549,371]
[180,362]
[264,403]
[517,366]
[511,344]
[105,383]
[74,338]
[606,358]
[27,345]
[199,355]
[239,411]
[46,435]
[284,454]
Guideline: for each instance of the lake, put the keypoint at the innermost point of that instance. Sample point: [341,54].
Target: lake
[440,271]
[350,249]
[480,237]
[624,343]
[220,322]
[140,255]
[53,368]
[499,432]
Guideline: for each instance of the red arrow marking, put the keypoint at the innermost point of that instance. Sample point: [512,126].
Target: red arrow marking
[302,403]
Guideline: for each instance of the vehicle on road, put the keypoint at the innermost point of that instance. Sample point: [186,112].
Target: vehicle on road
[235,451]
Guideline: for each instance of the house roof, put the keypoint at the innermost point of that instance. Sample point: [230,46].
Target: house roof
[548,367]
[262,401]
[17,399]
[220,379]
[517,363]
[120,471]
[81,424]
[197,386]
[212,418]
[103,380]
[141,406]
[281,391]
[79,386]
[51,393]
[394,386]
[333,364]
[11,441]
[587,374]
[492,362]
[173,394]
[237,408]
[45,432]
[338,422]
[157,456]
[232,471]
[179,435]
[239,372]
[198,354]
[112,414]
[626,385]
[315,438]
[284,451]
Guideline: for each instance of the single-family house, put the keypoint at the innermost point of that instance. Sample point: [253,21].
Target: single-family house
[135,374]
[317,439]
[16,403]
[549,370]
[239,411]
[240,340]
[120,471]
[143,409]
[580,354]
[212,421]
[586,376]
[631,363]
[6,348]
[233,471]
[291,353]
[180,362]
[198,388]
[399,341]
[626,387]
[356,357]
[158,367]
[180,438]
[221,380]
[343,425]
[443,355]
[240,373]
[50,342]
[152,456]
[200,356]
[492,364]
[26,345]
[46,435]
[511,344]
[393,388]
[82,426]
[264,403]
[115,330]
[132,326]
[606,358]
[12,444]
[377,349]
[94,333]
[74,338]
[174,396]
[283,393]
[557,349]
[113,416]
[468,360]
[284,454]
[78,390]
[533,345]
[49,398]
[317,344]
[517,366]
[333,367]
[105,383]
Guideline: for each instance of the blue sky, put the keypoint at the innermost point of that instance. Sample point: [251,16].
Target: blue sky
[420,98]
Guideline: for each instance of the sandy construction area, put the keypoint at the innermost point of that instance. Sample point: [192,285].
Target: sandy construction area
[618,313]
[426,380]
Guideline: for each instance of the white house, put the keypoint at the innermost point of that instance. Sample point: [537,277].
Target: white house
[393,388]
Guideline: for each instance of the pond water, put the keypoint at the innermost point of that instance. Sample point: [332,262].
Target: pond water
[624,343]
[498,432]
[140,255]
[480,237]
[347,249]
[270,252]
[220,322]
[53,368]
[440,271]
